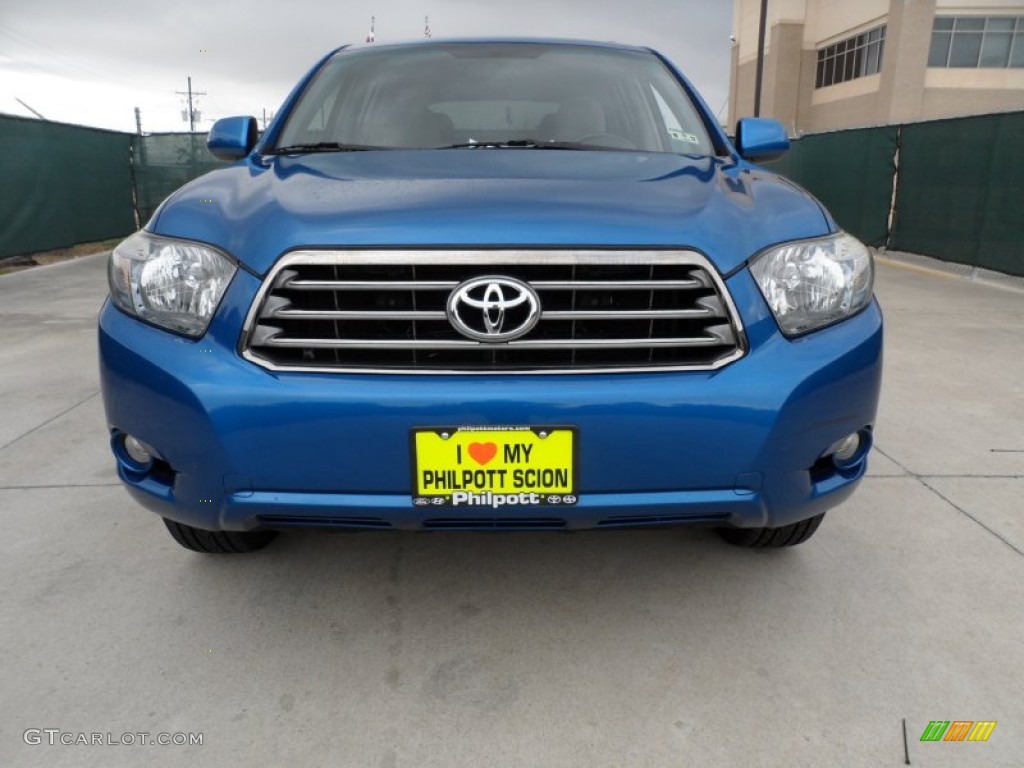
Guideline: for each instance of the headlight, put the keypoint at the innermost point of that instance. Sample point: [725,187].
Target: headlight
[171,283]
[814,283]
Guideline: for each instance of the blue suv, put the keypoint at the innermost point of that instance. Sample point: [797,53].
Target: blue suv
[490,284]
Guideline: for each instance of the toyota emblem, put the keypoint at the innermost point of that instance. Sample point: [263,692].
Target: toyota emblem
[493,308]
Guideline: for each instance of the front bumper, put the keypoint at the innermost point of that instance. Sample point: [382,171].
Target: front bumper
[243,447]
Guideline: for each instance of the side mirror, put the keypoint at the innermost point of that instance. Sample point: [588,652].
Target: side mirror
[761,139]
[232,138]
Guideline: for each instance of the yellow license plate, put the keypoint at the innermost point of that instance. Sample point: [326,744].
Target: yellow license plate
[494,467]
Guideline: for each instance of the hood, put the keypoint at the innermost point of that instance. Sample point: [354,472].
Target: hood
[261,207]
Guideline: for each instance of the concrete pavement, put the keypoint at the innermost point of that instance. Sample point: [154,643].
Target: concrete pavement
[660,648]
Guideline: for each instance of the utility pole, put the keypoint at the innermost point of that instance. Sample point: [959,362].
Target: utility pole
[191,112]
[140,144]
[137,165]
[760,57]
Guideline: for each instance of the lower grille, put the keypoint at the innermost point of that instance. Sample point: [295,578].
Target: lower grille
[644,521]
[392,311]
[295,521]
[495,523]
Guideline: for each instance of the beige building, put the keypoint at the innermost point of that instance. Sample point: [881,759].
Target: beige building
[833,64]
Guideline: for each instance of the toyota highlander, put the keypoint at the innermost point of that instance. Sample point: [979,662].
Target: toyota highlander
[491,284]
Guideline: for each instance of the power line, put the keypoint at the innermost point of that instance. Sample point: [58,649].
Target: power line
[57,62]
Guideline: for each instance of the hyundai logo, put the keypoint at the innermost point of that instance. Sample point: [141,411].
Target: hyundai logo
[493,308]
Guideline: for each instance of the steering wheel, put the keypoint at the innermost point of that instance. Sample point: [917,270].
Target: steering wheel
[604,139]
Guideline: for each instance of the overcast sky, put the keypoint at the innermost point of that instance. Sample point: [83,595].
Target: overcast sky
[94,62]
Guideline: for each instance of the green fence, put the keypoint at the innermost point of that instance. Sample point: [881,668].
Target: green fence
[162,162]
[67,184]
[851,172]
[959,184]
[62,184]
[961,191]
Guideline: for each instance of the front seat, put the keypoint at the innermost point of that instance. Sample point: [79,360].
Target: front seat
[396,124]
[438,130]
[575,118]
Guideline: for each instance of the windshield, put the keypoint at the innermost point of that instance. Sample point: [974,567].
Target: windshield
[486,95]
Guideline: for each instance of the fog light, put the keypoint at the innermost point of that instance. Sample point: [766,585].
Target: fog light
[136,451]
[849,452]
[845,449]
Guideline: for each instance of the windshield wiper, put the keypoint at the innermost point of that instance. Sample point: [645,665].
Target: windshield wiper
[333,146]
[323,146]
[523,144]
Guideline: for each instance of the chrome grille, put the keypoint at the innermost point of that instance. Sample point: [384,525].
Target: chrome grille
[385,311]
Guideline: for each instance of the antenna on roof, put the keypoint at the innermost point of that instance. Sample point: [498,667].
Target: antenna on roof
[372,37]
[426,26]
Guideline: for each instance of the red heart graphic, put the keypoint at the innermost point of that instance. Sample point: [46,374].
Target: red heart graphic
[482,452]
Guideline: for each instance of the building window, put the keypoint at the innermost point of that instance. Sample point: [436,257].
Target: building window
[854,57]
[977,41]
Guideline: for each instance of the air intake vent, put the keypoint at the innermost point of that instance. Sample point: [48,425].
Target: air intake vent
[296,521]
[493,523]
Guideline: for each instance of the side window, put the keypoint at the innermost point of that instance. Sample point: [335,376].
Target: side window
[681,140]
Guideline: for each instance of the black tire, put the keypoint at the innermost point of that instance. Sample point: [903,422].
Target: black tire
[218,542]
[783,536]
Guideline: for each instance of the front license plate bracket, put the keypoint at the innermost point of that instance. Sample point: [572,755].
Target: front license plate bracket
[498,467]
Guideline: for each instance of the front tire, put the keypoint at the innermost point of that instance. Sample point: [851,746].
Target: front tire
[218,542]
[783,536]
